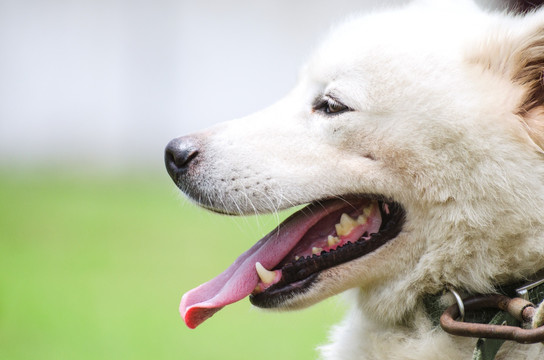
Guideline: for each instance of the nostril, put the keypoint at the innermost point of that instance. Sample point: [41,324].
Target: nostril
[183,158]
[179,153]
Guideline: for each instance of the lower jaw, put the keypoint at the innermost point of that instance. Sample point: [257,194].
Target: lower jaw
[275,296]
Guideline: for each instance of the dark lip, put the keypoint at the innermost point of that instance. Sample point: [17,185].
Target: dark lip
[276,295]
[298,276]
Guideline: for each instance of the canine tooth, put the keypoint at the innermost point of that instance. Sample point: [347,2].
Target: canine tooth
[297,257]
[332,240]
[316,250]
[266,276]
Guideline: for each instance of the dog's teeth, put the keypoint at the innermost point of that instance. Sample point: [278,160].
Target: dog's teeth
[332,240]
[362,219]
[347,223]
[266,276]
[297,257]
[339,229]
[368,209]
[316,250]
[347,220]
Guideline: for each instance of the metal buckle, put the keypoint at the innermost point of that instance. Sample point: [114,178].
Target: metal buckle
[523,292]
[521,309]
[460,304]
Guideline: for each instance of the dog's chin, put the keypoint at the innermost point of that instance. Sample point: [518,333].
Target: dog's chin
[307,279]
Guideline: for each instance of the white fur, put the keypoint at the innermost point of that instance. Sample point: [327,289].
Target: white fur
[435,126]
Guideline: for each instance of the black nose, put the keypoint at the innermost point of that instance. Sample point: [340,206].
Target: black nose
[178,155]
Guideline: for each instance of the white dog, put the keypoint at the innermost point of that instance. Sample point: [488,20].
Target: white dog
[416,136]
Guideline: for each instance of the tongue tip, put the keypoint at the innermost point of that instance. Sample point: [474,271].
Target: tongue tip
[190,324]
[195,315]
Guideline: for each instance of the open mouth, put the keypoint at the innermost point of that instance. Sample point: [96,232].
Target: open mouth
[346,234]
[289,259]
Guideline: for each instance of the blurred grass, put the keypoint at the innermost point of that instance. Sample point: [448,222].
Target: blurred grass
[93,267]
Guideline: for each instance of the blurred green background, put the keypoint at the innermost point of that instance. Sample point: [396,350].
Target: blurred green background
[94,259]
[93,267]
[97,246]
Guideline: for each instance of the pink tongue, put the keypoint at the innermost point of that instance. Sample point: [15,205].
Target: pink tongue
[239,280]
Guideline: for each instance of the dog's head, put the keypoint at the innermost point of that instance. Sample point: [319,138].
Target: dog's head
[414,135]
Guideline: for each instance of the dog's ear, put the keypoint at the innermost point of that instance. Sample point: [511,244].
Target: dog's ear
[518,53]
[528,71]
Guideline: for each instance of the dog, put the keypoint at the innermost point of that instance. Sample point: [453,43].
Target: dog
[415,138]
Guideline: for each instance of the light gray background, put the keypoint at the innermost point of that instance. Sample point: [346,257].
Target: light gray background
[106,83]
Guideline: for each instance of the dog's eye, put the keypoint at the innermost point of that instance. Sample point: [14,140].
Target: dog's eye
[330,106]
[334,107]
